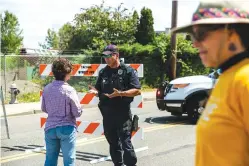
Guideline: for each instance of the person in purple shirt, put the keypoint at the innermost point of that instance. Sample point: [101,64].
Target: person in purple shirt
[61,103]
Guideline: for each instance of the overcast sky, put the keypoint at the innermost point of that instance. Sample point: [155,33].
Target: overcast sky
[36,16]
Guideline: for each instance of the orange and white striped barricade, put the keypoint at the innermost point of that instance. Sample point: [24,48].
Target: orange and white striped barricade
[93,70]
[96,128]
[91,99]
[87,69]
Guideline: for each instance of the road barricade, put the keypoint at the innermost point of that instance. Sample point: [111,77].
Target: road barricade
[92,70]
[91,99]
[96,128]
[86,69]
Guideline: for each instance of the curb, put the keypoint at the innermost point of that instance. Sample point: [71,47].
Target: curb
[85,106]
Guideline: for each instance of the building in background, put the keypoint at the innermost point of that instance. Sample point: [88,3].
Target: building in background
[166,31]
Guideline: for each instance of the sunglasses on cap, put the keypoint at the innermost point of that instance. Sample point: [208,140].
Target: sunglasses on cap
[202,31]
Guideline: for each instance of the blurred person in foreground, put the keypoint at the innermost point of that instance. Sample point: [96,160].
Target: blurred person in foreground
[116,87]
[220,31]
[61,103]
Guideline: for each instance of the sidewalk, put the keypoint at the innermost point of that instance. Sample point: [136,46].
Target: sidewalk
[30,108]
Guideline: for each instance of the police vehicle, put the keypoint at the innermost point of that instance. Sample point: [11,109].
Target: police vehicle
[186,95]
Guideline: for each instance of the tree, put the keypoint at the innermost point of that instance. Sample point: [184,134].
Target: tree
[11,39]
[98,25]
[65,36]
[135,18]
[145,31]
[51,41]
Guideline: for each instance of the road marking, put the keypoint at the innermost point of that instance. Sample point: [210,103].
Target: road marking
[83,142]
[109,157]
[158,127]
[21,157]
[27,152]
[44,147]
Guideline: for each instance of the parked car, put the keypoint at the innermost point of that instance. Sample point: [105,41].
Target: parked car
[186,95]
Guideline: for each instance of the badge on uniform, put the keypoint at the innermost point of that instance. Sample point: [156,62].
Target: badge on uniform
[120,72]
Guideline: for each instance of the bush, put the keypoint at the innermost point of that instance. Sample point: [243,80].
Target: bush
[29,97]
[150,56]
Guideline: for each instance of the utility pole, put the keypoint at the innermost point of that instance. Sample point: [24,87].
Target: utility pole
[173,40]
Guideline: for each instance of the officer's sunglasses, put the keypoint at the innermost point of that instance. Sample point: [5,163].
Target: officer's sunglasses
[109,55]
[202,31]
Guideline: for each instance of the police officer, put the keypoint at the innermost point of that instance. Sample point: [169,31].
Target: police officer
[116,86]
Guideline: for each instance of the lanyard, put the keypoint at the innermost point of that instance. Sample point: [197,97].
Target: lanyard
[233,61]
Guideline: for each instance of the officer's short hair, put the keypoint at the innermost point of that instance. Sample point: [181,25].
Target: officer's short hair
[61,67]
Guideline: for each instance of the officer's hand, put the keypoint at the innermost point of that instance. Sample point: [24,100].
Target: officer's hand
[92,87]
[116,93]
[92,90]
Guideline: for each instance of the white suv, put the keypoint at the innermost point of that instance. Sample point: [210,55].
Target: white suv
[187,95]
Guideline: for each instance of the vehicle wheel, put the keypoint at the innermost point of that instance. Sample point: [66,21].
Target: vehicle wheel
[195,107]
[161,106]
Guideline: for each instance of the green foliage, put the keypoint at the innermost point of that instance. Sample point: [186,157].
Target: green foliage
[11,38]
[162,42]
[146,88]
[148,55]
[65,36]
[11,62]
[155,58]
[51,41]
[188,58]
[29,97]
[145,31]
[97,26]
[135,18]
[42,82]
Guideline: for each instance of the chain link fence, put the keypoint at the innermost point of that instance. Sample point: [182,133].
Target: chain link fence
[23,70]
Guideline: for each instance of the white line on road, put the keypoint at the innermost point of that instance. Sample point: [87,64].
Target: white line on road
[109,157]
[87,142]
[38,150]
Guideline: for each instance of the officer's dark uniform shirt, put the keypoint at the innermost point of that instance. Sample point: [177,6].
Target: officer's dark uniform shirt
[122,78]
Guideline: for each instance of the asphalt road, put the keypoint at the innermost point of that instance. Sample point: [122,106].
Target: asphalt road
[168,141]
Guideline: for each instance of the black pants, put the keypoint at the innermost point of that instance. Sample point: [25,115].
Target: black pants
[118,135]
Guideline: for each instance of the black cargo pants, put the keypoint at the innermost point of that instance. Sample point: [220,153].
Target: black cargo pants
[118,134]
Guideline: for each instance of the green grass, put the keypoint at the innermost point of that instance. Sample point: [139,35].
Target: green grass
[146,88]
[29,97]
